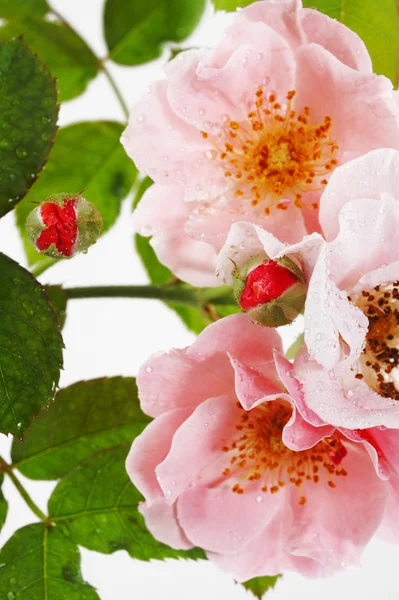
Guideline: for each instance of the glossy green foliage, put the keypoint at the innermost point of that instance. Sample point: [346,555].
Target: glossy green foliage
[28,120]
[104,517]
[65,53]
[12,9]
[58,301]
[3,504]
[30,348]
[260,585]
[377,23]
[230,5]
[41,563]
[86,417]
[135,32]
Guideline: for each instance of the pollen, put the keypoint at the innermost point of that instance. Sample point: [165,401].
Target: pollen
[379,363]
[258,455]
[276,155]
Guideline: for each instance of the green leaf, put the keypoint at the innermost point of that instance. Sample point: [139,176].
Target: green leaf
[377,23]
[260,585]
[40,563]
[11,9]
[230,5]
[195,319]
[98,503]
[85,155]
[30,348]
[136,31]
[293,349]
[58,301]
[3,504]
[66,54]
[28,117]
[86,417]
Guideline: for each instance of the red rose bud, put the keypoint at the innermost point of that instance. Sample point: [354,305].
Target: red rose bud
[273,292]
[63,225]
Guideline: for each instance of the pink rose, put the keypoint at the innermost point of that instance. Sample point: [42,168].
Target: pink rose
[236,463]
[252,130]
[352,307]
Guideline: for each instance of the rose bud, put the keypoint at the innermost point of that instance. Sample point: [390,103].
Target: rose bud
[63,225]
[273,292]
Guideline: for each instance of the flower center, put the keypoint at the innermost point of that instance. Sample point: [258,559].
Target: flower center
[258,453]
[379,362]
[276,155]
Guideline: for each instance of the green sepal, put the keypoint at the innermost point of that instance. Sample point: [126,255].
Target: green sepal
[282,310]
[289,264]
[259,586]
[240,275]
[90,224]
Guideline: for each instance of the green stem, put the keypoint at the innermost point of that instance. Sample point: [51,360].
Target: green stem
[116,90]
[5,467]
[178,294]
[170,294]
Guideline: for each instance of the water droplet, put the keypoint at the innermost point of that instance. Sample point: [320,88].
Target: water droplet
[259,499]
[141,119]
[28,307]
[148,369]
[168,492]
[211,154]
[21,152]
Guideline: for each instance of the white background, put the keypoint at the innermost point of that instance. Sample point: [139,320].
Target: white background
[113,337]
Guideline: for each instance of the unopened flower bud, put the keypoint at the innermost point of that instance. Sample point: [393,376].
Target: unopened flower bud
[63,225]
[273,292]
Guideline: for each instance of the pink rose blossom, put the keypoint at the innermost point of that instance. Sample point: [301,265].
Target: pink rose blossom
[352,307]
[236,463]
[252,130]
